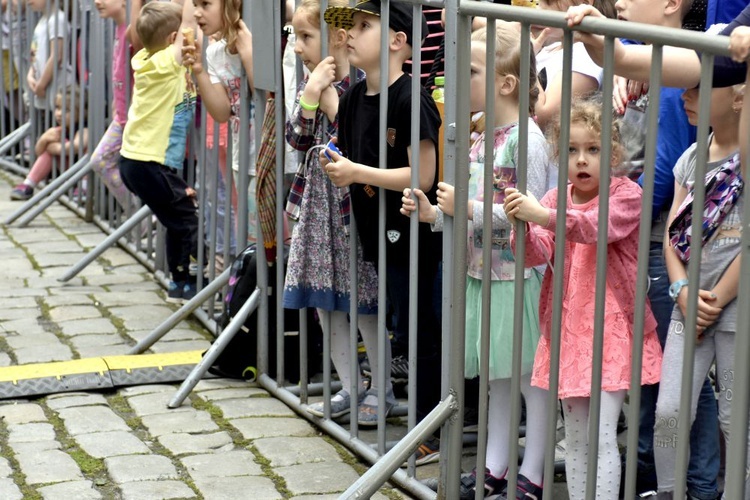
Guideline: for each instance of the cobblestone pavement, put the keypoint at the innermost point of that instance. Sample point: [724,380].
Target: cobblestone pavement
[229,440]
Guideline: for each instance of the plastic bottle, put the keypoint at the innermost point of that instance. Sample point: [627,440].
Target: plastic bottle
[438,94]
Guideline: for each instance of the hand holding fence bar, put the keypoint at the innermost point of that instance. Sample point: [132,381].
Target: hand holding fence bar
[739,43]
[524,207]
[427,211]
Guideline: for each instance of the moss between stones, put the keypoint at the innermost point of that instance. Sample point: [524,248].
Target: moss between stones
[27,492]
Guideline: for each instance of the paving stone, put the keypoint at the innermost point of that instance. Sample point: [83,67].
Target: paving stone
[42,232]
[237,488]
[233,393]
[115,279]
[253,407]
[323,477]
[88,419]
[13,314]
[181,346]
[27,433]
[80,490]
[213,384]
[70,299]
[145,286]
[73,399]
[104,350]
[9,490]
[172,335]
[117,256]
[285,451]
[260,427]
[22,413]
[146,389]
[63,246]
[74,312]
[95,340]
[21,292]
[25,327]
[90,290]
[154,404]
[89,240]
[53,466]
[5,468]
[149,490]
[97,325]
[231,463]
[5,359]
[113,299]
[111,444]
[52,352]
[129,468]
[21,303]
[45,260]
[182,443]
[184,421]
[36,340]
[142,317]
[335,496]
[36,447]
[18,269]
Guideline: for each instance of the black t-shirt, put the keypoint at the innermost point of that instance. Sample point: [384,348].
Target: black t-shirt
[358,139]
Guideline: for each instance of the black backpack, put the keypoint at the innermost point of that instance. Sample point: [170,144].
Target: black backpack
[239,358]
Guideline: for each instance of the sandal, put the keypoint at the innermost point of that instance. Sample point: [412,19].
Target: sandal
[367,416]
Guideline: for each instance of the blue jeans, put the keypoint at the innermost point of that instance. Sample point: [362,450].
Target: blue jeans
[705,453]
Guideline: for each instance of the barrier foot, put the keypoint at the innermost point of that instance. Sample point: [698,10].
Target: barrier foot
[216,348]
[14,137]
[61,190]
[182,313]
[109,241]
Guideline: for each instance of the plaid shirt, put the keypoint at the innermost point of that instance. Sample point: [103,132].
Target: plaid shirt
[307,135]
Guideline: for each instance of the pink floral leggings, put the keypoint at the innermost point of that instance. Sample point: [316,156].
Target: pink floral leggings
[105,161]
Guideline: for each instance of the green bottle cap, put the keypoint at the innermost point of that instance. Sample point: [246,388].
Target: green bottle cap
[440,81]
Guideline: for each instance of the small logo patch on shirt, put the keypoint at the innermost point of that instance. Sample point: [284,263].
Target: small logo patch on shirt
[391,137]
[369,190]
[393,235]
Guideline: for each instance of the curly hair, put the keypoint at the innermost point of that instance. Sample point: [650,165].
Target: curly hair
[231,14]
[587,112]
[508,57]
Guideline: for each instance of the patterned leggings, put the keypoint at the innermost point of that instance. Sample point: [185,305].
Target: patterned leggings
[105,161]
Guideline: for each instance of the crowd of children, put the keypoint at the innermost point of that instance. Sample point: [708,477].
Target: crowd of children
[142,153]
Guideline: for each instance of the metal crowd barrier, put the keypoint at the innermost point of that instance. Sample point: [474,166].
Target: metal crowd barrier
[125,225]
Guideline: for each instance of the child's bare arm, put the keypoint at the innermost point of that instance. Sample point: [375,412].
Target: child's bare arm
[245,50]
[80,141]
[680,67]
[56,50]
[132,34]
[213,95]
[344,172]
[739,45]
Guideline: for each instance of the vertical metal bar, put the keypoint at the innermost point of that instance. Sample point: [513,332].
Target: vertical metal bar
[281,6]
[488,175]
[602,244]
[641,289]
[559,267]
[456,171]
[699,196]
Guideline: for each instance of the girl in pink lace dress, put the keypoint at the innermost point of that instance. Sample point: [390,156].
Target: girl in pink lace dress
[577,332]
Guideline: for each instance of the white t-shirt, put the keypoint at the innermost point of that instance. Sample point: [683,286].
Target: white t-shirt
[550,58]
[226,69]
[49,29]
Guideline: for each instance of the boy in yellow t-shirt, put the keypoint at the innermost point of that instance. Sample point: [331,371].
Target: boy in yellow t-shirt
[153,145]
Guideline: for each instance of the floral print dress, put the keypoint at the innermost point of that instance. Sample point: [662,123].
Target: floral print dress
[318,267]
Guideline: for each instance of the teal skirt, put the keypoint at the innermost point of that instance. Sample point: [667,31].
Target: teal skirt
[501,326]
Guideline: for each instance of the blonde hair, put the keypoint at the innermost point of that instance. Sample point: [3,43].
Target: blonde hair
[231,13]
[587,112]
[156,22]
[508,57]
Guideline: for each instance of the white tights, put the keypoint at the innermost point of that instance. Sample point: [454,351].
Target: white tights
[341,351]
[498,429]
[576,412]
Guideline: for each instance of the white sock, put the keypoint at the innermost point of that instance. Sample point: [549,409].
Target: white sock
[340,350]
[368,328]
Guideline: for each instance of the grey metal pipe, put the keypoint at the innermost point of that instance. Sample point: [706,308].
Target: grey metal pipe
[61,190]
[216,348]
[182,313]
[14,137]
[108,242]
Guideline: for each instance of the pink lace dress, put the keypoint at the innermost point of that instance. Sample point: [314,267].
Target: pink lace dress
[577,336]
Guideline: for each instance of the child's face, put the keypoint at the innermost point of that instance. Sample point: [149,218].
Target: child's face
[363,46]
[639,11]
[478,80]
[110,9]
[37,5]
[307,39]
[208,16]
[722,101]
[583,162]
[59,113]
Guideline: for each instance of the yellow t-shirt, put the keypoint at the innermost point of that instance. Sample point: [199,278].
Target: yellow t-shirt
[161,111]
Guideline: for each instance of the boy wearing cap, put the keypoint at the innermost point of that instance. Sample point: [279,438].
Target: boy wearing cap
[359,140]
